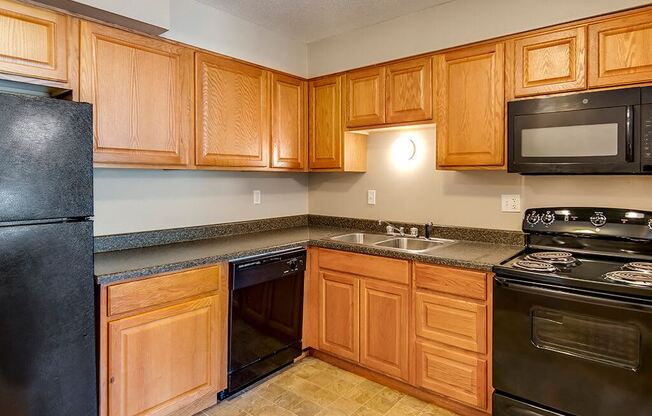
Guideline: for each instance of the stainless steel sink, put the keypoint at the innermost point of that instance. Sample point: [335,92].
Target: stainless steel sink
[413,244]
[361,238]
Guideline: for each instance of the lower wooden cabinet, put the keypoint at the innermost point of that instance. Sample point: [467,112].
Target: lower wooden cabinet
[384,327]
[163,347]
[164,359]
[339,314]
[454,374]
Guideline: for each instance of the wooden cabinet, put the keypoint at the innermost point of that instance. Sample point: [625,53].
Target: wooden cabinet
[339,311]
[289,122]
[33,42]
[471,108]
[550,62]
[331,148]
[384,327]
[620,51]
[141,91]
[454,374]
[164,359]
[232,113]
[163,343]
[409,91]
[365,97]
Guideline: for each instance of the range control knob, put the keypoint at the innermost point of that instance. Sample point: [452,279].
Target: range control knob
[532,218]
[598,219]
[548,218]
[294,265]
[649,224]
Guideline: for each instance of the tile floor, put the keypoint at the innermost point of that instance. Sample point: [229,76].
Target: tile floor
[315,388]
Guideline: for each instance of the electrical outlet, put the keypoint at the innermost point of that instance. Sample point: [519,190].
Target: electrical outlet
[371,197]
[256,197]
[510,203]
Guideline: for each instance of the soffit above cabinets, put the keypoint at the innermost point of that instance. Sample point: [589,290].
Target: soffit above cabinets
[311,20]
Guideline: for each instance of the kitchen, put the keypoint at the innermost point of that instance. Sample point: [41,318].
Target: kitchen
[298,208]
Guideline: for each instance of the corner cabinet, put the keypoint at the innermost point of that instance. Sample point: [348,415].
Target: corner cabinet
[232,113]
[289,123]
[470,114]
[620,51]
[163,343]
[33,42]
[141,91]
[331,148]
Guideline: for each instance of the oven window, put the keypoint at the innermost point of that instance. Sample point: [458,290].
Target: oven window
[570,141]
[609,342]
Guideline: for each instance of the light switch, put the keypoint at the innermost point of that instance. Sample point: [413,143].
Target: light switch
[256,197]
[371,197]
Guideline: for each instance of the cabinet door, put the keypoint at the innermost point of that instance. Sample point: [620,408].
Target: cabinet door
[384,327]
[409,91]
[33,42]
[471,107]
[620,52]
[232,113]
[163,360]
[460,376]
[549,63]
[141,93]
[451,321]
[365,97]
[339,308]
[289,122]
[326,123]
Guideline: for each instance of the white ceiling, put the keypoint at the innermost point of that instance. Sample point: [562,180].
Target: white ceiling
[311,20]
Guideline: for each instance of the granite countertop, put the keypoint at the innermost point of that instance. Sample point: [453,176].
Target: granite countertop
[114,266]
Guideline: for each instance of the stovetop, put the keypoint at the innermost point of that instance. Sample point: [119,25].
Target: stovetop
[608,252]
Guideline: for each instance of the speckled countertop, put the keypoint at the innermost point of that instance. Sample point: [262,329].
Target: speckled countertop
[134,263]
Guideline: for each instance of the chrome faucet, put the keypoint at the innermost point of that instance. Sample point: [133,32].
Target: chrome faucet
[391,229]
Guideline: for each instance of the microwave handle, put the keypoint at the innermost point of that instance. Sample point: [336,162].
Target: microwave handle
[629,134]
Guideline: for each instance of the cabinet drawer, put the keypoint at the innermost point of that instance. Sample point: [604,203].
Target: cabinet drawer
[126,297]
[458,282]
[457,375]
[451,321]
[383,268]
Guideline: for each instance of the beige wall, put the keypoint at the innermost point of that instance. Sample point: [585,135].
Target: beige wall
[450,24]
[139,200]
[414,191]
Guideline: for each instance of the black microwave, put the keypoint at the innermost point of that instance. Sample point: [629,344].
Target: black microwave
[606,132]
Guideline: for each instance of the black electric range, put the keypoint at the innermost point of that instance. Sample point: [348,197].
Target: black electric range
[573,316]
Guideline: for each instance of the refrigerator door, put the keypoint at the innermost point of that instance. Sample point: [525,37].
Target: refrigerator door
[46,158]
[47,323]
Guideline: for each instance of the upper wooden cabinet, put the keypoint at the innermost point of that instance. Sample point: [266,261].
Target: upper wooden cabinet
[550,62]
[232,113]
[326,123]
[620,51]
[409,91]
[365,97]
[289,122]
[470,118]
[33,42]
[141,91]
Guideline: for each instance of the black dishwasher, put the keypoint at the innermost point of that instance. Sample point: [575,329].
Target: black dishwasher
[265,315]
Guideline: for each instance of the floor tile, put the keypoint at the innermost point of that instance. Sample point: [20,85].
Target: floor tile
[315,388]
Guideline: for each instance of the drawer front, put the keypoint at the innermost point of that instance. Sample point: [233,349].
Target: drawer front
[131,296]
[453,374]
[453,322]
[467,283]
[383,268]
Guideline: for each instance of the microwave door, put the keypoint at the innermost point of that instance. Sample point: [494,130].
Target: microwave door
[587,141]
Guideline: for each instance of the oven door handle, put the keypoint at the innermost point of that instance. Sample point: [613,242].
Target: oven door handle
[629,134]
[564,293]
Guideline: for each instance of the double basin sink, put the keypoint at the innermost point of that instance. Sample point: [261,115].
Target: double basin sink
[410,244]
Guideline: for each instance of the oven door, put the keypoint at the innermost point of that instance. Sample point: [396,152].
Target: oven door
[576,353]
[563,135]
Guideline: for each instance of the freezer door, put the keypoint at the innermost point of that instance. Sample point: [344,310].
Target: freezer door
[47,322]
[46,158]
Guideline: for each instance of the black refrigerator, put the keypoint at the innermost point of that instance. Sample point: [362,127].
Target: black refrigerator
[47,300]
